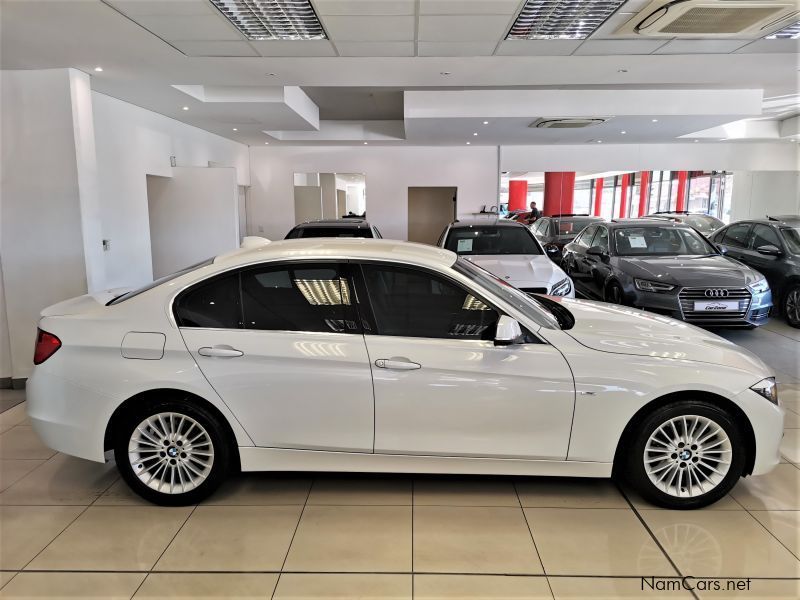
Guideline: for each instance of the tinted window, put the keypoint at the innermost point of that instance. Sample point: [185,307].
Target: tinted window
[585,238]
[215,302]
[413,303]
[736,235]
[703,223]
[492,240]
[297,298]
[573,226]
[541,227]
[601,238]
[792,238]
[352,232]
[660,241]
[764,235]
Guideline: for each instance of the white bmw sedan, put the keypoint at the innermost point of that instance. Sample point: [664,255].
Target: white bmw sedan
[374,355]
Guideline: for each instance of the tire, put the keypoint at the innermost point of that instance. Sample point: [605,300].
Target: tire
[198,450]
[614,293]
[791,305]
[662,480]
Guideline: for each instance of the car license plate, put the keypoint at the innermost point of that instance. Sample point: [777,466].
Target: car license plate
[716,305]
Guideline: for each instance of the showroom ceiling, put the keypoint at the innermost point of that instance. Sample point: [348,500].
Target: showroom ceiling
[357,63]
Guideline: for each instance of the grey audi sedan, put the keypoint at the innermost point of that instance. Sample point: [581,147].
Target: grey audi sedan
[667,268]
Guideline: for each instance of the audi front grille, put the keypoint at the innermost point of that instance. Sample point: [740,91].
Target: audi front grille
[688,296]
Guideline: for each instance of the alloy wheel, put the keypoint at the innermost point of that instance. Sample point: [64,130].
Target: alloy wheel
[793,306]
[171,453]
[688,456]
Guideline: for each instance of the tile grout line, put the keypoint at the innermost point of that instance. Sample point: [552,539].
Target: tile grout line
[654,538]
[530,532]
[764,527]
[294,533]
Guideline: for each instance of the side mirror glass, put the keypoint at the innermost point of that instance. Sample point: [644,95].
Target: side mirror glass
[769,250]
[508,331]
[722,249]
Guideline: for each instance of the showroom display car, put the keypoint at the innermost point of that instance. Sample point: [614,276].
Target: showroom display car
[353,227]
[509,250]
[705,224]
[557,231]
[667,268]
[382,356]
[772,246]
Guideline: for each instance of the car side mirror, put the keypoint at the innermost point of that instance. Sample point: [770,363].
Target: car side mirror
[597,251]
[508,331]
[551,249]
[722,249]
[769,250]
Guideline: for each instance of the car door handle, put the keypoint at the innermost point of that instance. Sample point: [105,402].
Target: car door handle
[222,351]
[397,364]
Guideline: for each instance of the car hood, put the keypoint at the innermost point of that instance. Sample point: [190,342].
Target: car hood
[521,270]
[690,271]
[622,330]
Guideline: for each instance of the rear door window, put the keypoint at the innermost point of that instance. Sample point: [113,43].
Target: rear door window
[736,235]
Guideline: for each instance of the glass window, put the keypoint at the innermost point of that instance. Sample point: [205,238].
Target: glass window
[764,235]
[703,223]
[215,302]
[351,232]
[482,240]
[736,235]
[660,241]
[601,238]
[541,226]
[414,303]
[792,238]
[297,298]
[573,226]
[585,237]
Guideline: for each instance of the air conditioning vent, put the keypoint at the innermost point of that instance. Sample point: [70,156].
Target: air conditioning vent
[568,123]
[710,18]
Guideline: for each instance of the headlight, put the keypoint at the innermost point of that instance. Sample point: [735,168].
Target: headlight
[562,288]
[767,388]
[759,287]
[652,286]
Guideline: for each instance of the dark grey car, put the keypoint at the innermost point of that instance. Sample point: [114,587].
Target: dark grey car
[773,247]
[557,231]
[705,224]
[667,268]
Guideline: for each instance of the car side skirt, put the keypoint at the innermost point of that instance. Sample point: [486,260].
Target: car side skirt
[276,459]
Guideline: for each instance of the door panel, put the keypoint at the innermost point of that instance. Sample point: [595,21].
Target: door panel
[471,398]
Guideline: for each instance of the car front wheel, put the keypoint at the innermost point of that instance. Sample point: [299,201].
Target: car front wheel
[172,452]
[791,306]
[687,454]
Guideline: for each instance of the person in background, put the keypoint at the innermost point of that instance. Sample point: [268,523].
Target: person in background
[535,214]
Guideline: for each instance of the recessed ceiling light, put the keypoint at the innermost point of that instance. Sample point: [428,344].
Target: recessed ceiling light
[486,122]
[235,129]
[791,32]
[561,19]
[273,19]
[623,132]
[266,143]
[468,143]
[599,141]
[270,74]
[366,143]
[185,108]
[696,141]
[622,70]
[476,133]
[655,120]
[445,73]
[99,69]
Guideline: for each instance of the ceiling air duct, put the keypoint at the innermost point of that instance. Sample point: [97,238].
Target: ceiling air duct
[567,123]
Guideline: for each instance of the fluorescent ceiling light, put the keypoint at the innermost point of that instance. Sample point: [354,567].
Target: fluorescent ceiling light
[273,19]
[561,19]
[791,32]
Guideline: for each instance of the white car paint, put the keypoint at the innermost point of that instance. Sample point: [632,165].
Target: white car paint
[522,271]
[297,400]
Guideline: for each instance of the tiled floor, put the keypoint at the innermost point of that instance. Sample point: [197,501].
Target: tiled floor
[70,528]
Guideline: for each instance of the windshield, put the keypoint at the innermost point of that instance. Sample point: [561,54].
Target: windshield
[792,237]
[574,226]
[158,282]
[530,306]
[703,223]
[483,240]
[661,241]
[318,232]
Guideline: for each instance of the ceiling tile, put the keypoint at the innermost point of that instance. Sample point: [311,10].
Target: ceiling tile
[364,7]
[215,48]
[135,8]
[463,29]
[369,29]
[770,46]
[538,47]
[375,48]
[607,47]
[294,48]
[470,7]
[701,46]
[190,27]
[455,48]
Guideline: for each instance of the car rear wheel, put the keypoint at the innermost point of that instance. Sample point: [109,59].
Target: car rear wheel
[791,306]
[614,293]
[172,453]
[687,454]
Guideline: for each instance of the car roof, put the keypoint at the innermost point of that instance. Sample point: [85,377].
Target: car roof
[791,220]
[356,222]
[645,222]
[339,248]
[487,222]
[568,217]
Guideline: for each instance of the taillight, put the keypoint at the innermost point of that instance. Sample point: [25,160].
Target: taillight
[46,346]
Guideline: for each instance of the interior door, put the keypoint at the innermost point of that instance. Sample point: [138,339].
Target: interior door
[281,345]
[441,385]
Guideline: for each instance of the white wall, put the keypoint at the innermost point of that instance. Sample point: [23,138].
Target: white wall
[760,193]
[5,342]
[131,143]
[389,172]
